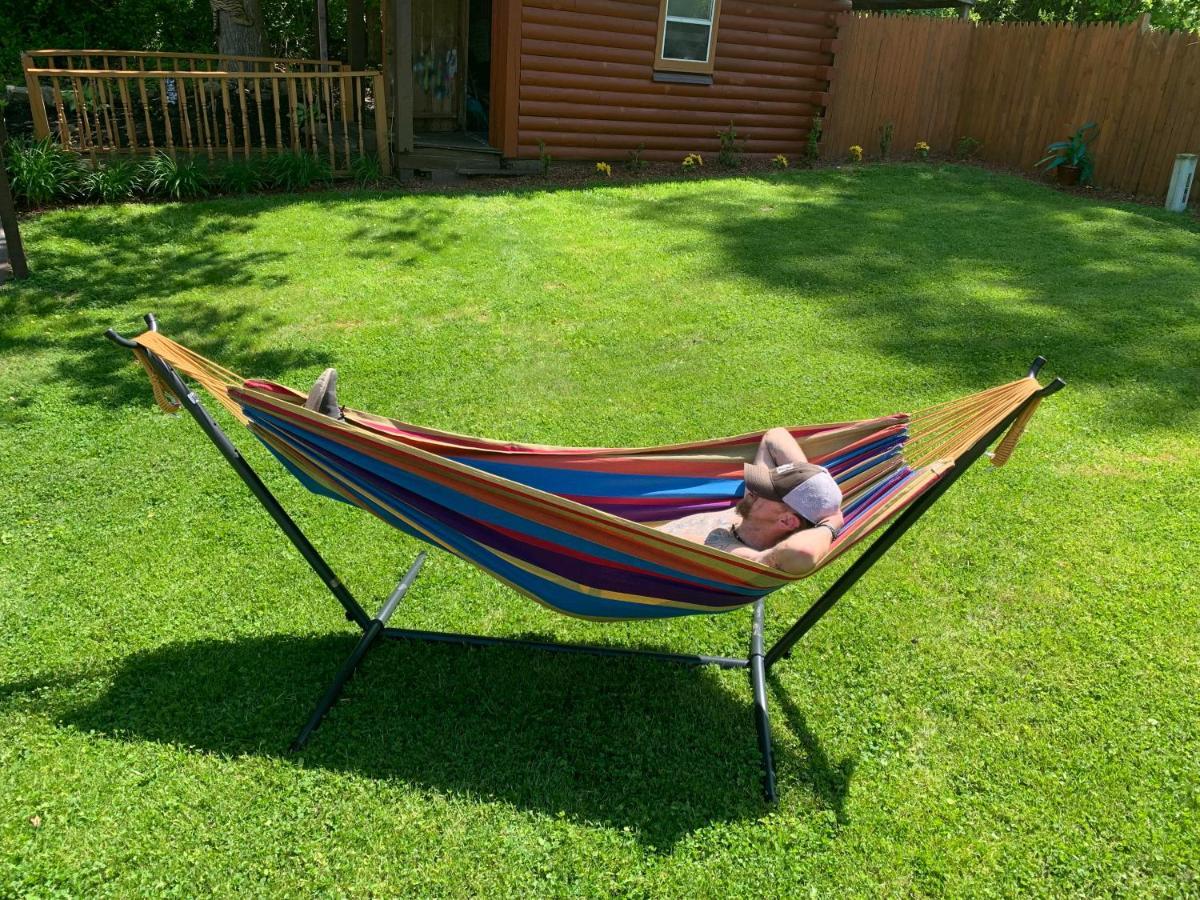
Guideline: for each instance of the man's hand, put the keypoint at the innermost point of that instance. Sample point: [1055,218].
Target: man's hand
[803,551]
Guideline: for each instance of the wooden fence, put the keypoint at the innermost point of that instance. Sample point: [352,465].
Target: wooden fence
[1016,88]
[188,107]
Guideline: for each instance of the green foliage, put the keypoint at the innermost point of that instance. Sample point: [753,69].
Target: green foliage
[634,163]
[812,148]
[180,26]
[239,177]
[42,172]
[175,179]
[296,171]
[544,158]
[730,154]
[1178,14]
[113,182]
[886,132]
[966,147]
[365,170]
[1074,151]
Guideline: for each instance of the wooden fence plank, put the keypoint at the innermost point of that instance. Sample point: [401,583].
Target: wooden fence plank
[1017,87]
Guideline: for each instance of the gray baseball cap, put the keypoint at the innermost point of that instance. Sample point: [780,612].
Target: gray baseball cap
[808,489]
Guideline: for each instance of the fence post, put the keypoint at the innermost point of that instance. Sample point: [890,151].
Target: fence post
[8,216]
[381,129]
[37,103]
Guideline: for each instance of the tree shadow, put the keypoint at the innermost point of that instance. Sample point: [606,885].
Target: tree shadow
[92,265]
[662,749]
[405,236]
[913,258]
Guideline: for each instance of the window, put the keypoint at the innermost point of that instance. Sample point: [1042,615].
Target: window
[687,35]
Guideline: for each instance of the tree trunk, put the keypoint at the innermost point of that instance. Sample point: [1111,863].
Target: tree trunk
[239,27]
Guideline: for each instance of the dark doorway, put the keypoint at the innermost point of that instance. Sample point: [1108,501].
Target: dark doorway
[479,64]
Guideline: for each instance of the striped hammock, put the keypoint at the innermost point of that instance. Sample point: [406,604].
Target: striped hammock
[572,527]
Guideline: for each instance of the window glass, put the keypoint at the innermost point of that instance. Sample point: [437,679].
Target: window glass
[685,40]
[690,9]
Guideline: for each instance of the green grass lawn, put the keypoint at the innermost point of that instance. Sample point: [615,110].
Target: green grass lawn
[1008,703]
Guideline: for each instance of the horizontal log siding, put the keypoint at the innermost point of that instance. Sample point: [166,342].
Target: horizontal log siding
[587,84]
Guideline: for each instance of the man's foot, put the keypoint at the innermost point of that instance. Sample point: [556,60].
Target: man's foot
[323,396]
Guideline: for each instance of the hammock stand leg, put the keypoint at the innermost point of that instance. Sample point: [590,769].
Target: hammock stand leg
[372,628]
[373,632]
[762,719]
[782,648]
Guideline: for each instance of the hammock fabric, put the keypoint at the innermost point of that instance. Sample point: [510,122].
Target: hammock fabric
[572,527]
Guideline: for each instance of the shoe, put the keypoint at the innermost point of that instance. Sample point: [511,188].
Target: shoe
[323,396]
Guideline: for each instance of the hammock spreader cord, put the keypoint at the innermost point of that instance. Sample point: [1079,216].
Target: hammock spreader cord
[214,378]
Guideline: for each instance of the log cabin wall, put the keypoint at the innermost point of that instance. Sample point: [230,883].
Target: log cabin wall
[579,75]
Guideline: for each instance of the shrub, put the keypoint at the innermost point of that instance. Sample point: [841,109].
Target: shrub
[856,153]
[296,171]
[886,132]
[544,158]
[1074,151]
[780,161]
[239,177]
[177,179]
[812,149]
[113,182]
[921,151]
[41,172]
[730,153]
[693,161]
[365,170]
[603,168]
[966,147]
[635,163]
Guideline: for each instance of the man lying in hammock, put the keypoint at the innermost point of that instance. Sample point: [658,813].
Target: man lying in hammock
[788,517]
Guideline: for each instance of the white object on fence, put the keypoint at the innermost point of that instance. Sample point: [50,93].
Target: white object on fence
[1181,182]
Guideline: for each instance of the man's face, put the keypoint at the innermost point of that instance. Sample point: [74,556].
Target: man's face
[768,513]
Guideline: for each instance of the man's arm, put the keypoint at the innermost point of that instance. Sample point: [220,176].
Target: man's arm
[778,447]
[799,553]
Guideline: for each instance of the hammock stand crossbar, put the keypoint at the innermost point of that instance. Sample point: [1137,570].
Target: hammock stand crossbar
[758,660]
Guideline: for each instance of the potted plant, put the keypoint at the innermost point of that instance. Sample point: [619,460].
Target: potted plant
[1071,159]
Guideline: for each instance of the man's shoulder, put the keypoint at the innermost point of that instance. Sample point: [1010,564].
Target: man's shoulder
[722,539]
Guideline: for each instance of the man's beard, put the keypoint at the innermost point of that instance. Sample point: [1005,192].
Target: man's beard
[743,507]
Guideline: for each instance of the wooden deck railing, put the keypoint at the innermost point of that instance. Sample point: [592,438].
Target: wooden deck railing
[132,108]
[126,60]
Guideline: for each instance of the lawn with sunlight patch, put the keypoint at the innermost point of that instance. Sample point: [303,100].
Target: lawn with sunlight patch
[1006,704]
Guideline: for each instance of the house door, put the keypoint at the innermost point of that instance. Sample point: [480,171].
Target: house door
[439,64]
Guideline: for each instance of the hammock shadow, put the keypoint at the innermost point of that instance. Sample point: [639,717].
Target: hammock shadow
[663,750]
[828,781]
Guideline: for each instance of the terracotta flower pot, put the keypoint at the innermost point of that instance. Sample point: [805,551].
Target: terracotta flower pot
[1068,176]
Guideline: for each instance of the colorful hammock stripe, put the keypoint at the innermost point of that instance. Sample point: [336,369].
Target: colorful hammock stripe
[571,527]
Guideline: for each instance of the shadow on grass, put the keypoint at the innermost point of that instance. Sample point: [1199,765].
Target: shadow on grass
[969,273]
[91,265]
[662,749]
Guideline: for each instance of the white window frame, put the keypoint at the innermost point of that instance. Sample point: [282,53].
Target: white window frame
[665,63]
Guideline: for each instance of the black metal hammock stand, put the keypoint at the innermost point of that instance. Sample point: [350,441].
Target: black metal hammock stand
[569,527]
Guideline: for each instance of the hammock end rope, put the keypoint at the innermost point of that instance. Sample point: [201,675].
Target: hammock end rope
[163,395]
[1008,443]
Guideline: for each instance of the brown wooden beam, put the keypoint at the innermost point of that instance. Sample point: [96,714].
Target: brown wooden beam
[356,35]
[8,217]
[402,90]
